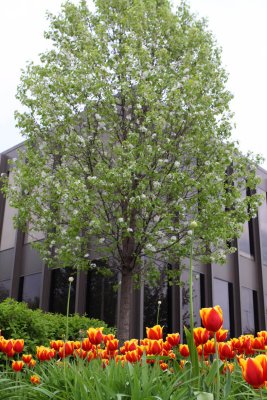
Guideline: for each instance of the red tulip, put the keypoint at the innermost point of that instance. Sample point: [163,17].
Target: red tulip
[18,345]
[17,365]
[254,370]
[201,336]
[154,333]
[95,335]
[173,339]
[212,318]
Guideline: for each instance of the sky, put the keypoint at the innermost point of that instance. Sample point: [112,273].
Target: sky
[239,27]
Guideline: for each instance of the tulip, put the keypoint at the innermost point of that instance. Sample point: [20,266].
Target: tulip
[112,345]
[184,350]
[56,344]
[201,336]
[173,339]
[132,356]
[254,370]
[86,344]
[209,347]
[26,358]
[225,350]
[154,333]
[163,366]
[212,318]
[80,353]
[155,347]
[95,335]
[108,337]
[129,345]
[35,379]
[45,353]
[18,345]
[221,335]
[17,365]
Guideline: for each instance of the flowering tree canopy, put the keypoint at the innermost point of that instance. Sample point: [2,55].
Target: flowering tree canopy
[128,129]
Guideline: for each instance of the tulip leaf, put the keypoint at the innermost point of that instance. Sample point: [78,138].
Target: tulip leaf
[193,353]
[212,372]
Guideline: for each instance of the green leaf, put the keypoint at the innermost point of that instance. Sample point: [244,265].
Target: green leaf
[193,353]
[212,372]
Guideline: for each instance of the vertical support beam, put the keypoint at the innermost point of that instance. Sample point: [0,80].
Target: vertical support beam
[45,288]
[258,263]
[3,170]
[237,295]
[15,277]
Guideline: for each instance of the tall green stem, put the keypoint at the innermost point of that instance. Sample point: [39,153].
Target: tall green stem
[68,308]
[218,383]
[191,285]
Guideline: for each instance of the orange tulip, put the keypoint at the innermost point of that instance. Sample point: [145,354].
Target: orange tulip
[66,350]
[18,345]
[154,333]
[86,344]
[155,346]
[17,365]
[221,335]
[132,356]
[209,347]
[45,353]
[225,350]
[212,318]
[163,366]
[95,335]
[32,363]
[184,350]
[228,367]
[173,339]
[129,345]
[201,336]
[108,337]
[26,358]
[80,353]
[35,379]
[254,370]
[112,345]
[56,344]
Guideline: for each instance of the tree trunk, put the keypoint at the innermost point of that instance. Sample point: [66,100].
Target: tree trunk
[125,307]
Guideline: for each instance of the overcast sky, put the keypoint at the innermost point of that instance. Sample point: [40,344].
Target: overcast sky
[240,29]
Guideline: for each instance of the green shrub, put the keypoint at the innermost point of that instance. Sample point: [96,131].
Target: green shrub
[37,327]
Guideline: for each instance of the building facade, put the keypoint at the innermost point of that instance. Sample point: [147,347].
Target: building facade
[239,286]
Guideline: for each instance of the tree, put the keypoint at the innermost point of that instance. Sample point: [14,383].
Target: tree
[128,129]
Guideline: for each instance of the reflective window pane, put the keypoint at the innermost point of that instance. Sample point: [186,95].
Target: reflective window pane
[248,313]
[221,297]
[263,228]
[101,299]
[30,287]
[59,291]
[152,295]
[197,298]
[8,234]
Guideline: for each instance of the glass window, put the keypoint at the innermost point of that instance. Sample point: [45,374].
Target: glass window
[198,288]
[4,289]
[59,291]
[8,234]
[246,240]
[101,298]
[263,228]
[29,291]
[161,292]
[221,297]
[248,310]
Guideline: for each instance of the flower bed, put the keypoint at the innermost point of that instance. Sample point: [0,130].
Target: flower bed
[218,361]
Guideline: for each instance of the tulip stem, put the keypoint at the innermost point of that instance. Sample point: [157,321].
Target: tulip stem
[191,285]
[218,369]
[68,311]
